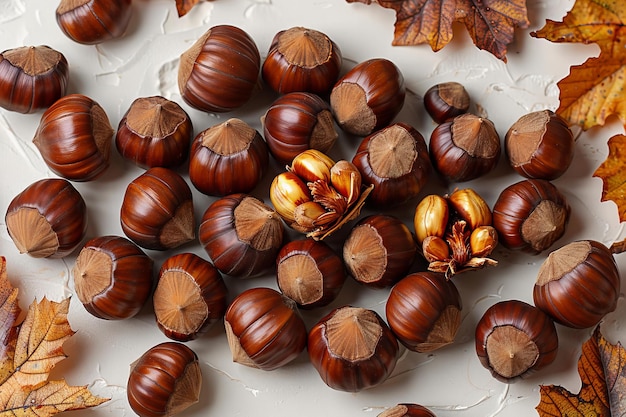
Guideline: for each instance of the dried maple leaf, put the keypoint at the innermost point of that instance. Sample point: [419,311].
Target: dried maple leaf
[602,370]
[490,23]
[184,6]
[594,90]
[29,350]
[613,174]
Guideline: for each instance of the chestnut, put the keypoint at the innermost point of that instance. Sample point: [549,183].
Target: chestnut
[395,160]
[157,210]
[515,339]
[352,349]
[296,122]
[465,147]
[578,284]
[309,272]
[47,219]
[446,100]
[220,72]
[93,21]
[227,158]
[189,297]
[164,381]
[530,215]
[241,235]
[264,329]
[368,97]
[112,277]
[424,311]
[407,410]
[32,78]
[540,145]
[379,250]
[154,132]
[302,59]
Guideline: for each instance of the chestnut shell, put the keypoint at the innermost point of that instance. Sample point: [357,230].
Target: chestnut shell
[407,410]
[93,21]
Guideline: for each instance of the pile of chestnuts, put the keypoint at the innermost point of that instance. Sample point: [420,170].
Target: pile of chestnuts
[312,235]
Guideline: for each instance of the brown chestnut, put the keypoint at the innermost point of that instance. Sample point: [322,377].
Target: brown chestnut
[264,329]
[74,138]
[112,277]
[352,349]
[515,339]
[301,59]
[93,21]
[540,145]
[241,234]
[220,72]
[164,381]
[157,210]
[446,100]
[465,148]
[296,122]
[368,97]
[407,410]
[189,297]
[32,78]
[424,311]
[309,272]
[379,250]
[395,160]
[530,215]
[227,158]
[47,219]
[578,284]
[154,132]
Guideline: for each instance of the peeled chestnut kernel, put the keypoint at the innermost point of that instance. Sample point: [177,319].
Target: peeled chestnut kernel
[424,311]
[74,138]
[309,272]
[112,277]
[446,100]
[368,97]
[301,59]
[465,148]
[154,132]
[227,158]
[395,160]
[296,122]
[189,297]
[241,235]
[47,219]
[530,215]
[220,71]
[540,145]
[93,21]
[407,410]
[578,284]
[157,210]
[264,329]
[164,381]
[352,349]
[515,339]
[32,78]
[379,250]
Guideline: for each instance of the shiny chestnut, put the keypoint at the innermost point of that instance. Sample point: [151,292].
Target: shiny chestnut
[74,138]
[578,284]
[32,78]
[47,219]
[407,410]
[93,21]
[368,97]
[264,329]
[446,100]
[220,72]
[112,277]
[515,339]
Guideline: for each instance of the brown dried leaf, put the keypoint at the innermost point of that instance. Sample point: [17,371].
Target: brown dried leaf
[613,174]
[184,6]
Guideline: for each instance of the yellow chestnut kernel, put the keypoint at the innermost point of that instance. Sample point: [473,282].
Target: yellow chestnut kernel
[471,207]
[287,192]
[431,217]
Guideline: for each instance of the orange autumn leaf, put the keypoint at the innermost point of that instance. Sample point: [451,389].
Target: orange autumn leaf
[602,370]
[594,90]
[490,23]
[184,6]
[29,352]
[613,174]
